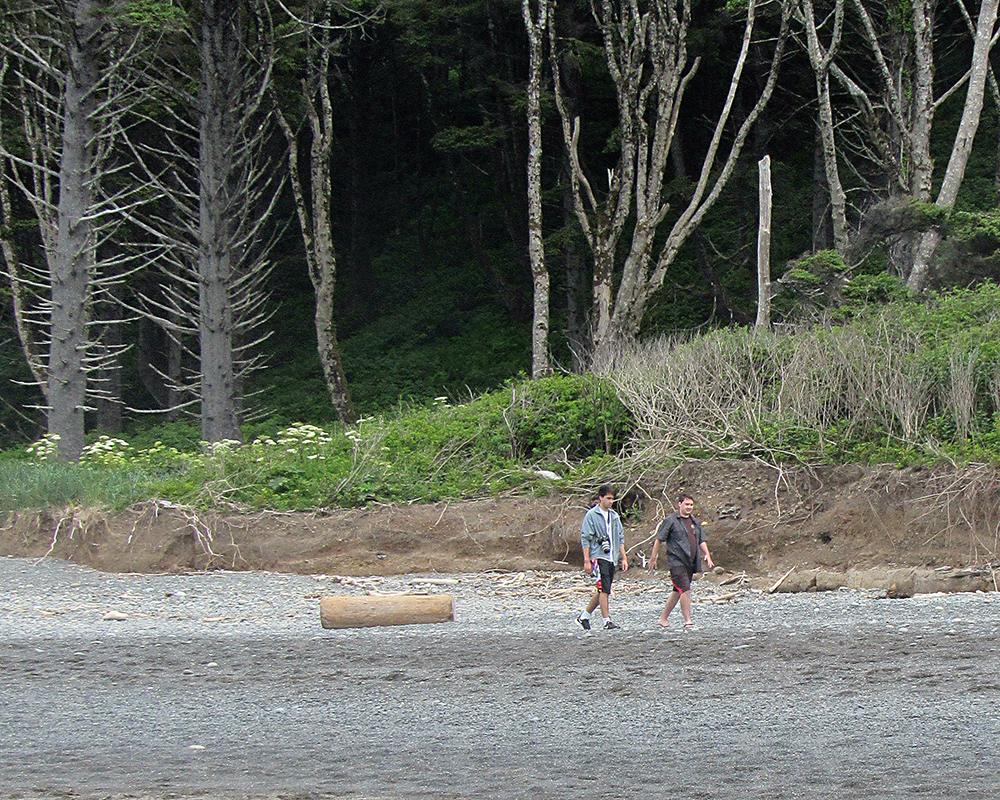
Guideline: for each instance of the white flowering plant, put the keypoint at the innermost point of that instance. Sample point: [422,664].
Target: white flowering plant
[45,449]
[107,451]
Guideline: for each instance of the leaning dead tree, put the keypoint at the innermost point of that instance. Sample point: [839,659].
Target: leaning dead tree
[984,37]
[821,59]
[884,133]
[67,93]
[311,178]
[646,45]
[206,155]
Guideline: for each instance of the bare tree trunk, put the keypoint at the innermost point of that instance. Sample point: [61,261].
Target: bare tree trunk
[72,262]
[70,62]
[820,199]
[220,66]
[217,193]
[25,333]
[994,86]
[576,289]
[314,215]
[108,377]
[536,24]
[962,147]
[922,108]
[764,247]
[646,49]
[821,60]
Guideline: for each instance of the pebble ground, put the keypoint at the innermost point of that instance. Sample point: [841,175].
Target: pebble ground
[224,685]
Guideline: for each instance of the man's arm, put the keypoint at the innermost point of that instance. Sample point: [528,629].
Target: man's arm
[707,556]
[656,547]
[586,536]
[624,557]
[652,556]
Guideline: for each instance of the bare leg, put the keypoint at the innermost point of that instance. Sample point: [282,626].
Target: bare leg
[686,607]
[671,602]
[593,603]
[603,599]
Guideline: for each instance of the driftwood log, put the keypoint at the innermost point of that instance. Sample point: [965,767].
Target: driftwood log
[376,610]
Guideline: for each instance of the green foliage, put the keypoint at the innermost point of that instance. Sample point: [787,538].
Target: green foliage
[42,484]
[885,386]
[467,140]
[971,251]
[490,444]
[875,289]
[817,267]
[425,349]
[154,15]
[978,228]
[812,282]
[183,435]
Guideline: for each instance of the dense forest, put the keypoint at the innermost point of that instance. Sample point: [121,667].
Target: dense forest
[249,213]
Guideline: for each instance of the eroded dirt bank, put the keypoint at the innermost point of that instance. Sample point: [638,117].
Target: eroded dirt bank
[758,520]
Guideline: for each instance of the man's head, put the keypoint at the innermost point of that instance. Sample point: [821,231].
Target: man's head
[605,497]
[685,504]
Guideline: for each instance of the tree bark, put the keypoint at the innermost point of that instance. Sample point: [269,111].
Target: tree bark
[72,262]
[315,220]
[536,24]
[820,199]
[821,59]
[646,50]
[108,378]
[220,65]
[576,287]
[25,333]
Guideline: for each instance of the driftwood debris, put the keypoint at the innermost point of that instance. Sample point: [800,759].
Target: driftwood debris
[738,577]
[377,610]
[780,581]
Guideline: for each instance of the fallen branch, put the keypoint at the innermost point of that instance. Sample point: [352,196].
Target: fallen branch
[722,598]
[781,580]
[55,538]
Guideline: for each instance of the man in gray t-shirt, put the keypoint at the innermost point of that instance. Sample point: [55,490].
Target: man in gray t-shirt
[686,548]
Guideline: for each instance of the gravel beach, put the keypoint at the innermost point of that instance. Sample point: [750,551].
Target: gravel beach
[224,684]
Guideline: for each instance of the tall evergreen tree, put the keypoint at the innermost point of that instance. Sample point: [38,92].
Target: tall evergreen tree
[68,61]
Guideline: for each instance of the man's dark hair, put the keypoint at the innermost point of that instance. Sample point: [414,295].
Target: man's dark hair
[684,497]
[605,490]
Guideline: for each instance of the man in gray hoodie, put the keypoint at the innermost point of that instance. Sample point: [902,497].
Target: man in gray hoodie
[603,540]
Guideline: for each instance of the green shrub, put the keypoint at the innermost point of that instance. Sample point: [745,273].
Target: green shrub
[881,288]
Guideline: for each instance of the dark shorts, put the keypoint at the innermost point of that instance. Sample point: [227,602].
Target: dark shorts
[604,573]
[681,576]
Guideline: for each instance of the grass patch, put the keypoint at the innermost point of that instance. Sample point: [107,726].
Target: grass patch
[29,484]
[494,443]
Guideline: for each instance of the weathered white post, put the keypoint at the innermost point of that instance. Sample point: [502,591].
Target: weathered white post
[764,246]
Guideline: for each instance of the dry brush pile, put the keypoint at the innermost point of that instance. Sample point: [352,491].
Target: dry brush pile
[805,396]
